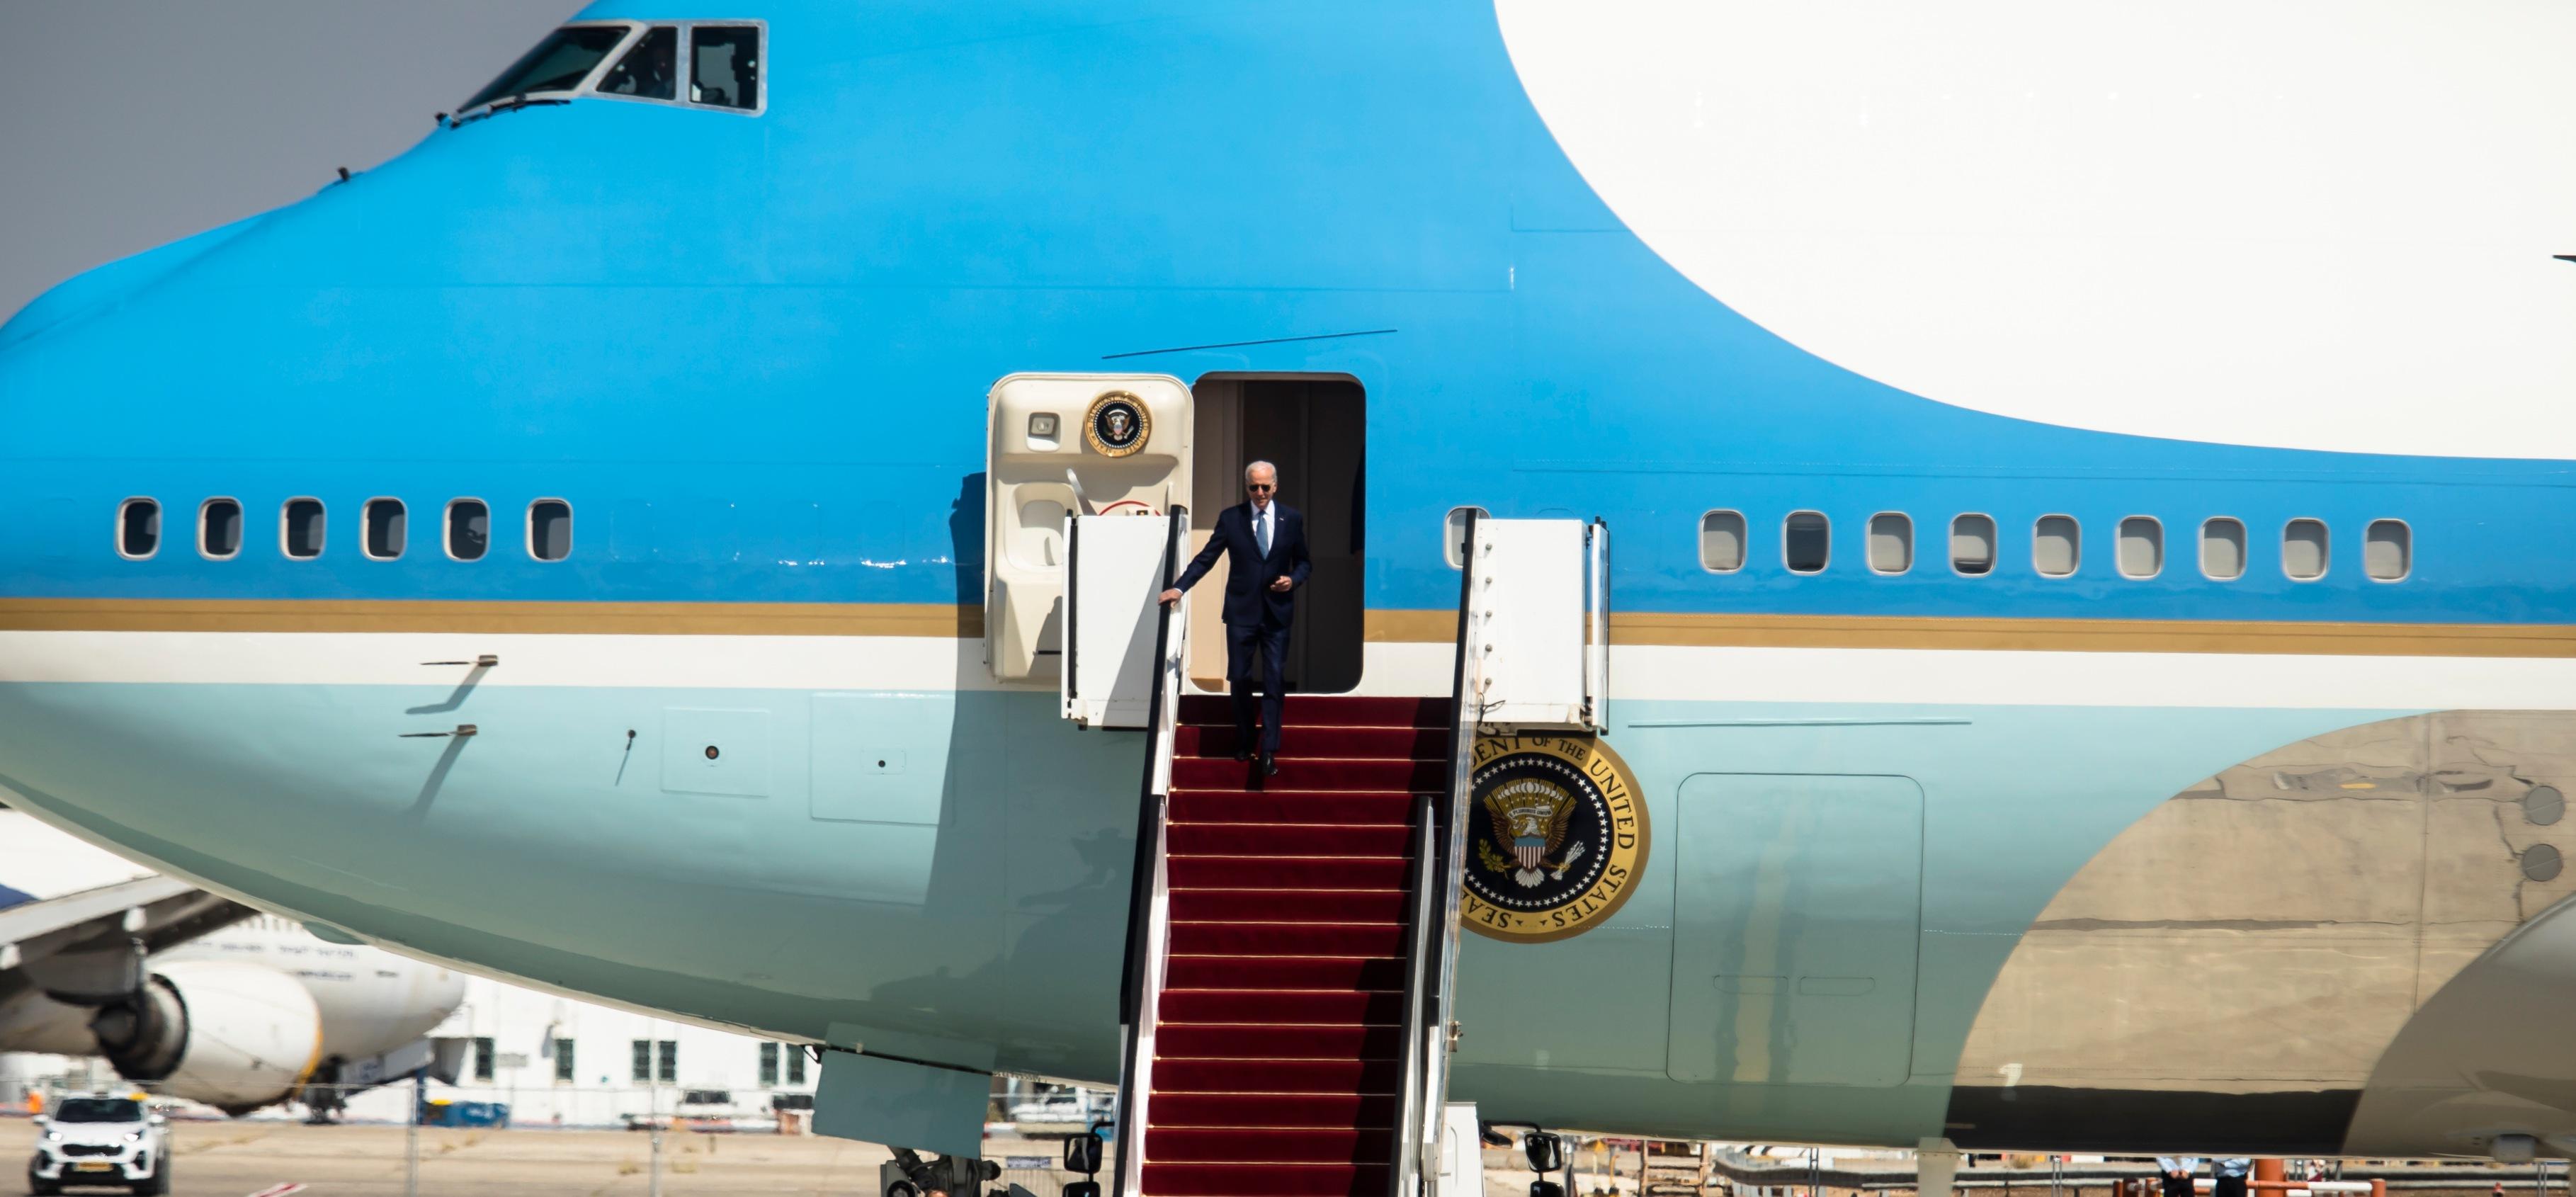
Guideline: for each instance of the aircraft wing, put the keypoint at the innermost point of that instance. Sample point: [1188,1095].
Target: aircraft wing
[89,946]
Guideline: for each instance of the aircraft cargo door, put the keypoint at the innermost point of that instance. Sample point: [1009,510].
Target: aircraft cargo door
[1798,902]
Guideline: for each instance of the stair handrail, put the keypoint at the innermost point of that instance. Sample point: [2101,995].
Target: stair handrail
[1421,883]
[1149,915]
[1430,989]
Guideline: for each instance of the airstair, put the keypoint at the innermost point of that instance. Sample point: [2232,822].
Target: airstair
[1292,939]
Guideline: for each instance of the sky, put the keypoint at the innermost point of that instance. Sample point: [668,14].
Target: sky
[126,124]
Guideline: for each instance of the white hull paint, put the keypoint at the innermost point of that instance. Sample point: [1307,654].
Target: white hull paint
[1874,676]
[2306,224]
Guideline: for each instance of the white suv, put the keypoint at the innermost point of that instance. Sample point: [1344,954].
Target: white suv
[100,1140]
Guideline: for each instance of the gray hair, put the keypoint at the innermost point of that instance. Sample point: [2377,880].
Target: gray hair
[1261,465]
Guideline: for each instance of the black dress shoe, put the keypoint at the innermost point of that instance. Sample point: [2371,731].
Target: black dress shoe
[1268,767]
[1241,754]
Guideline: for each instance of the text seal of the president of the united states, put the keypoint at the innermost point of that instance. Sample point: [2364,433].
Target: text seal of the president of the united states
[1556,837]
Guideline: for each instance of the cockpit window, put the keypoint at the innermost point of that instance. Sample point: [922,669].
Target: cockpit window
[558,64]
[650,71]
[725,65]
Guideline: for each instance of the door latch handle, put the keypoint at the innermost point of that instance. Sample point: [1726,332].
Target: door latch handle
[485,661]
[462,730]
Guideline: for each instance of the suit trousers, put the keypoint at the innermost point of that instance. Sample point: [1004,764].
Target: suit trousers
[1257,652]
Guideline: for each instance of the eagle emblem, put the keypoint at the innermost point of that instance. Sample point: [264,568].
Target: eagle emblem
[1117,424]
[1562,842]
[1531,814]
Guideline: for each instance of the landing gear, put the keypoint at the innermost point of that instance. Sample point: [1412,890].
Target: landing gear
[906,1175]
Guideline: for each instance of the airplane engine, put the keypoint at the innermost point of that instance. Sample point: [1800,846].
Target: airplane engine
[234,1036]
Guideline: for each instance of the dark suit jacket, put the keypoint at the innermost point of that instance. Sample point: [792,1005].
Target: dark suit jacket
[1249,601]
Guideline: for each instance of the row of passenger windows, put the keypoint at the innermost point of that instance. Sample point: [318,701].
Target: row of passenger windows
[383,529]
[2056,546]
[1806,539]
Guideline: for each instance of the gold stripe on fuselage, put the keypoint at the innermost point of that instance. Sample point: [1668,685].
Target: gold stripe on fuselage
[1639,628]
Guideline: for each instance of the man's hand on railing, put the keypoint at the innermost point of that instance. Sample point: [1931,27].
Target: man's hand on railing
[1168,597]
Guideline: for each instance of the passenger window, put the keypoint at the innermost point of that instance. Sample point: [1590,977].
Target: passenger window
[2222,549]
[1453,534]
[1721,541]
[1972,545]
[138,529]
[2303,549]
[300,528]
[550,529]
[219,529]
[724,65]
[2056,545]
[650,71]
[1806,541]
[2387,550]
[2141,547]
[381,528]
[469,529]
[1891,542]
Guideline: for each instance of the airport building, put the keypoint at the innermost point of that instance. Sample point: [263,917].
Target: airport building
[559,1061]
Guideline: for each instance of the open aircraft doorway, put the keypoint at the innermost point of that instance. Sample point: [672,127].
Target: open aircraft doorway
[1314,427]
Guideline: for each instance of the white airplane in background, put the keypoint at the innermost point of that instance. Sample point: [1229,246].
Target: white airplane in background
[195,995]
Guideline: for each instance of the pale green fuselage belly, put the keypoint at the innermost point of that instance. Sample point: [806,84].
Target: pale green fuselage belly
[952,867]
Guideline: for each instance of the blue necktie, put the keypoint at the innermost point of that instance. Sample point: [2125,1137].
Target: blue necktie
[1261,531]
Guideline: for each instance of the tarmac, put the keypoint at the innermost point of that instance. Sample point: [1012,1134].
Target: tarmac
[235,1159]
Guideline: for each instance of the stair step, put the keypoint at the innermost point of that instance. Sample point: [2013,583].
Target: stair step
[1326,710]
[1281,805]
[1287,873]
[1341,973]
[1310,773]
[1238,1042]
[1271,905]
[1287,939]
[1328,1110]
[1281,1008]
[1380,743]
[1289,839]
[1375,1078]
[1190,1145]
[1266,1180]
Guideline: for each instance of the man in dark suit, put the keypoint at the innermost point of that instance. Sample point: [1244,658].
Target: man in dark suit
[1265,550]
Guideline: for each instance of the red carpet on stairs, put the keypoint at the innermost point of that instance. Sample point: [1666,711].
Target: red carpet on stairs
[1275,1054]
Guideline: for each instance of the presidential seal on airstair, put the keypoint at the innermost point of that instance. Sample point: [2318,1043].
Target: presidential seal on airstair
[1558,838]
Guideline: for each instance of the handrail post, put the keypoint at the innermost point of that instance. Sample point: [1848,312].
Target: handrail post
[1147,883]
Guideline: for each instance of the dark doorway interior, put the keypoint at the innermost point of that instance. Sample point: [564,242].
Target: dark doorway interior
[1314,428]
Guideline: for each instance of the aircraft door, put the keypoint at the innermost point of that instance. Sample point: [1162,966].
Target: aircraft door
[1541,609]
[1116,567]
[1057,446]
[1797,910]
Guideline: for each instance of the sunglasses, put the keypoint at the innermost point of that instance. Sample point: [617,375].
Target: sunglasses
[1258,486]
